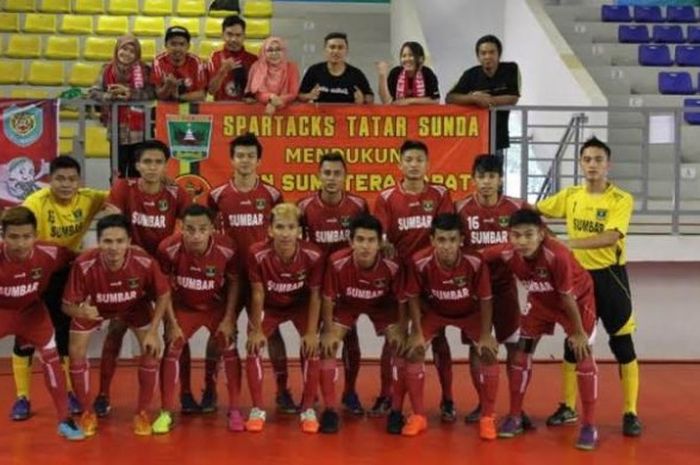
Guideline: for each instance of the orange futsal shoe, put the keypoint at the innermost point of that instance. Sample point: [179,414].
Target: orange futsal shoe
[142,424]
[309,422]
[256,420]
[487,428]
[88,421]
[415,425]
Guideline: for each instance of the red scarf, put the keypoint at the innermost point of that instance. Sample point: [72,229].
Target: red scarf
[417,88]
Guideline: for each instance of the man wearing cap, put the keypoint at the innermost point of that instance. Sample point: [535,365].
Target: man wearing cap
[177,74]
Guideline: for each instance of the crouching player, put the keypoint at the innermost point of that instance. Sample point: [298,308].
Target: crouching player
[115,280]
[26,265]
[203,271]
[560,292]
[448,287]
[285,276]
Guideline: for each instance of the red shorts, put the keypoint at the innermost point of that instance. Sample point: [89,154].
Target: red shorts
[380,317]
[539,321]
[190,320]
[469,324]
[506,315]
[30,326]
[135,319]
[274,317]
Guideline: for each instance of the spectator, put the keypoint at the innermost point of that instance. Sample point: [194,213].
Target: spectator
[490,84]
[178,74]
[412,82]
[228,68]
[335,81]
[273,80]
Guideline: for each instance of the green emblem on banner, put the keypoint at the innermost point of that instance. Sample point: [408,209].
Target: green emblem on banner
[189,137]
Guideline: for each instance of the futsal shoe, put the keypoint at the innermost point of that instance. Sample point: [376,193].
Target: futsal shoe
[256,420]
[329,422]
[74,406]
[395,422]
[352,404]
[70,430]
[448,414]
[564,415]
[631,426]
[588,438]
[101,405]
[235,421]
[163,423]
[415,425]
[285,403]
[142,424]
[382,406]
[21,409]
[88,422]
[487,428]
[189,406]
[309,422]
[209,399]
[474,415]
[511,427]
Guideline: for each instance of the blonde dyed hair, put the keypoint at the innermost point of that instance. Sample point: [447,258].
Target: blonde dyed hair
[285,210]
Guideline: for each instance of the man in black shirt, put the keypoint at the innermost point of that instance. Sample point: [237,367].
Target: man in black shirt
[493,83]
[335,80]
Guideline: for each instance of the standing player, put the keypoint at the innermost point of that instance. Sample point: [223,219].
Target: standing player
[358,280]
[203,269]
[560,292]
[285,277]
[597,218]
[449,287]
[244,204]
[116,280]
[64,211]
[178,74]
[325,218]
[406,212]
[26,266]
[228,68]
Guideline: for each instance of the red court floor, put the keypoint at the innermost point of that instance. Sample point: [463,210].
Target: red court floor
[669,407]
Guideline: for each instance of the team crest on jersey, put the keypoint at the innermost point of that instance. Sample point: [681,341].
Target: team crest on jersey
[163,205]
[78,214]
[459,281]
[36,273]
[210,271]
[503,221]
[601,214]
[380,283]
[260,204]
[541,272]
[428,205]
[301,276]
[345,221]
[23,125]
[133,283]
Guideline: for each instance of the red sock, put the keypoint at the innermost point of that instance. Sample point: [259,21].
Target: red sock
[443,363]
[399,383]
[587,376]
[329,373]
[522,371]
[489,388]
[148,378]
[475,372]
[80,379]
[185,372]
[351,360]
[385,371]
[108,362]
[170,376]
[232,369]
[55,380]
[254,374]
[311,375]
[415,382]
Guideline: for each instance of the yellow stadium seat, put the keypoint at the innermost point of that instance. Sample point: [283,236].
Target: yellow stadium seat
[9,22]
[96,143]
[191,8]
[212,27]
[84,74]
[112,25]
[253,46]
[257,9]
[191,24]
[221,13]
[99,49]
[28,92]
[148,49]
[40,23]
[20,5]
[158,7]
[55,6]
[257,28]
[11,71]
[149,26]
[62,47]
[123,7]
[77,24]
[23,46]
[66,131]
[208,46]
[46,73]
[65,146]
[89,7]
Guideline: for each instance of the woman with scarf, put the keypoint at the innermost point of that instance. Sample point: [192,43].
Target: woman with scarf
[273,80]
[410,83]
[125,78]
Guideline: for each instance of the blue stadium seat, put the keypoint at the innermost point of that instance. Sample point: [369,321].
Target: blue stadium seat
[615,13]
[633,34]
[664,34]
[676,83]
[694,34]
[648,14]
[688,55]
[680,14]
[655,55]
[692,117]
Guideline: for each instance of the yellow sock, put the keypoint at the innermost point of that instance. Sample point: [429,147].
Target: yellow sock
[66,369]
[570,384]
[22,372]
[629,372]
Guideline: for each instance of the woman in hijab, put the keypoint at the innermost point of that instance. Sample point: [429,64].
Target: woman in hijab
[273,80]
[410,83]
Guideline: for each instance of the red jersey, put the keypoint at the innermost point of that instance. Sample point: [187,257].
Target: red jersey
[328,226]
[23,283]
[286,284]
[152,216]
[234,83]
[133,287]
[352,287]
[245,215]
[449,292]
[190,75]
[406,217]
[198,281]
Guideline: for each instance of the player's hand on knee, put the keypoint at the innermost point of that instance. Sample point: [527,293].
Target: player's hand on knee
[329,344]
[578,342]
[396,337]
[151,344]
[414,346]
[174,333]
[309,344]
[487,346]
[227,329]
[256,341]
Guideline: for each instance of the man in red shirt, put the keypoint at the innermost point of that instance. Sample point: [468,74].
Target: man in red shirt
[203,269]
[115,280]
[26,265]
[285,276]
[358,280]
[228,68]
[178,74]
[560,292]
[244,204]
[447,286]
[406,212]
[325,218]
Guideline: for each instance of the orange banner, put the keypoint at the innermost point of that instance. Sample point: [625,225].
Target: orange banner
[294,139]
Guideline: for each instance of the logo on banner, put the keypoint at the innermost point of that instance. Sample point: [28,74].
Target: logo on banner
[23,126]
[189,137]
